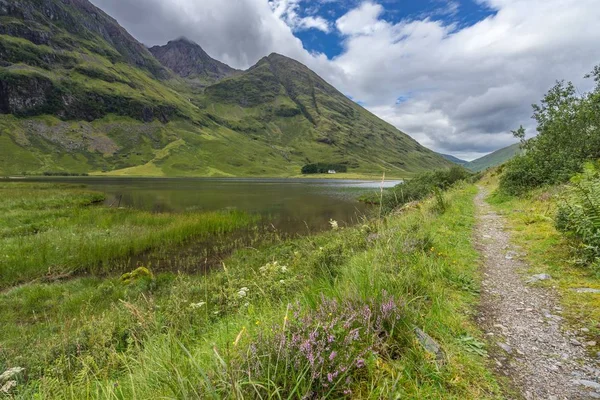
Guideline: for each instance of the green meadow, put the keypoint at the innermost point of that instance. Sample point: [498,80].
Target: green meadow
[329,315]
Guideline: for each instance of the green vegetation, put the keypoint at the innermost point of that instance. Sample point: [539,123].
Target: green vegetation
[494,159]
[323,168]
[352,295]
[568,136]
[579,214]
[418,188]
[50,231]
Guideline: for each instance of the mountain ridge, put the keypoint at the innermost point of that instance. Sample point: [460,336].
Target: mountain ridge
[84,96]
[495,158]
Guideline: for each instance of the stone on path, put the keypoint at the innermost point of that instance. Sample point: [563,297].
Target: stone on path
[538,278]
[586,290]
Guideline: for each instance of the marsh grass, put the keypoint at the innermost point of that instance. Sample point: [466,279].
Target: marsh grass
[49,230]
[190,336]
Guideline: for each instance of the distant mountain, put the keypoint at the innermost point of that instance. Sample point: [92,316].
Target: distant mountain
[494,159]
[455,160]
[79,94]
[188,60]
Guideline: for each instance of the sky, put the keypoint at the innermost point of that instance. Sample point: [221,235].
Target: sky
[456,75]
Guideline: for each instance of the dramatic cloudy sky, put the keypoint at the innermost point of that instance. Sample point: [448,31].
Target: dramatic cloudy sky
[457,75]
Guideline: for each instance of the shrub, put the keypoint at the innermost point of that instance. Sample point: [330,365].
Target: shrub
[579,213]
[568,126]
[419,187]
[318,353]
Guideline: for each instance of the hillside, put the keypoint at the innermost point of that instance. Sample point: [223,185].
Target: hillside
[493,159]
[455,160]
[78,94]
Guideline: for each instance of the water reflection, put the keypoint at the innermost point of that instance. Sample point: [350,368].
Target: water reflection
[291,205]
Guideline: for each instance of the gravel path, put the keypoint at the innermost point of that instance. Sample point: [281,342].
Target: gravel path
[523,323]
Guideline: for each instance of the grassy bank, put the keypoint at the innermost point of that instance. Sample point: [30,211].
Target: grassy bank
[330,315]
[52,230]
[532,222]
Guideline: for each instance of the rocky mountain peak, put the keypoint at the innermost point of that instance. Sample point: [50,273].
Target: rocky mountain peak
[187,59]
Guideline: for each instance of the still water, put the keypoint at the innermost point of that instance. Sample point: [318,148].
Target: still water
[291,206]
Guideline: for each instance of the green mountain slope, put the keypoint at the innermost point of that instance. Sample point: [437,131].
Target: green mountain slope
[455,160]
[494,159]
[78,94]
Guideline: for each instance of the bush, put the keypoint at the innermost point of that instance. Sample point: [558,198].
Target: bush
[579,214]
[419,187]
[319,353]
[568,126]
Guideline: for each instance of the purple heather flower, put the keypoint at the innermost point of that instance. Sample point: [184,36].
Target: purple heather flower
[332,355]
[360,363]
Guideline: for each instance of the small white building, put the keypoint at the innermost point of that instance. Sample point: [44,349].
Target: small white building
[331,171]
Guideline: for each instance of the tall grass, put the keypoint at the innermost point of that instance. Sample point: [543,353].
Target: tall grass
[49,230]
[243,332]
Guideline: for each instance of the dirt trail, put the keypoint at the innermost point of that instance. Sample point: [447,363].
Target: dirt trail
[523,323]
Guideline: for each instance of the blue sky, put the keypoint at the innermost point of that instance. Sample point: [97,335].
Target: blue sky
[460,12]
[456,75]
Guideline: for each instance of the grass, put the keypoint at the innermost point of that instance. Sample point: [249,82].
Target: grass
[49,230]
[531,220]
[187,336]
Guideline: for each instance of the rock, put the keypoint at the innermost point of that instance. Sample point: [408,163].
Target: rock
[584,330]
[430,345]
[587,290]
[538,277]
[587,384]
[591,343]
[372,237]
[505,347]
[575,342]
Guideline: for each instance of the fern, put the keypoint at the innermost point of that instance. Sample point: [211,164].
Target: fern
[579,213]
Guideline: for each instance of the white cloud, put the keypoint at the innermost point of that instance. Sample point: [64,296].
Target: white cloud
[363,20]
[468,87]
[287,10]
[462,89]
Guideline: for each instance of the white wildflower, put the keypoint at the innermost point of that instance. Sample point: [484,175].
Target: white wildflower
[10,373]
[284,268]
[243,292]
[282,281]
[197,305]
[8,386]
[334,224]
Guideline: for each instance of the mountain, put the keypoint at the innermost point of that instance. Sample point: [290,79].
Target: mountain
[78,94]
[188,60]
[455,160]
[494,159]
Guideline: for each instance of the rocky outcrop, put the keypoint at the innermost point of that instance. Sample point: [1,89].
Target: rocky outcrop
[188,60]
[70,24]
[27,94]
